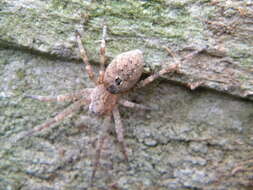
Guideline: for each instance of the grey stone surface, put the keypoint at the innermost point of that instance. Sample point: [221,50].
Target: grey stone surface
[193,140]
[199,139]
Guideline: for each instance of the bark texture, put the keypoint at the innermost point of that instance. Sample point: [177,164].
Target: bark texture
[199,139]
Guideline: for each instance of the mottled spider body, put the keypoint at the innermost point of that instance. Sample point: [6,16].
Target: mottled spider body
[124,71]
[120,76]
[102,102]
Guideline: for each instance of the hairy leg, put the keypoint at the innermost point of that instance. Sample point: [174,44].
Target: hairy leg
[151,78]
[101,139]
[194,53]
[85,58]
[171,68]
[119,131]
[102,56]
[64,97]
[59,117]
[129,104]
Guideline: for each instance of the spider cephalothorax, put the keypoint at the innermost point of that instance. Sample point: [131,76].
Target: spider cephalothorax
[120,76]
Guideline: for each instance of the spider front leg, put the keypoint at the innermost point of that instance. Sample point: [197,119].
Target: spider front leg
[101,139]
[99,148]
[59,117]
[102,56]
[63,97]
[85,58]
[119,131]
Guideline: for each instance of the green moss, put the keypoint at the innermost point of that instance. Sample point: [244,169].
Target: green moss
[17,27]
[3,62]
[129,22]
[242,53]
[59,4]
[20,74]
[247,61]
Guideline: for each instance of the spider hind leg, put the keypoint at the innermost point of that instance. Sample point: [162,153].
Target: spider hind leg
[171,68]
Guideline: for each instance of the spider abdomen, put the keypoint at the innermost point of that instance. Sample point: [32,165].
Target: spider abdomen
[124,71]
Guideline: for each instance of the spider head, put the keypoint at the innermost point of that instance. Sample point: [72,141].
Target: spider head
[124,71]
[101,101]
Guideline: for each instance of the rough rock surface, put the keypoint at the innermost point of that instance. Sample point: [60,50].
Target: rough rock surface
[199,139]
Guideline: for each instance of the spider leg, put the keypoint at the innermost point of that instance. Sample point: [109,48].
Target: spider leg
[59,117]
[63,97]
[119,131]
[98,155]
[171,68]
[151,78]
[102,56]
[194,53]
[85,58]
[102,137]
[130,104]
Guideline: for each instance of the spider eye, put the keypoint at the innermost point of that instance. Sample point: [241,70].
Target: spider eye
[118,81]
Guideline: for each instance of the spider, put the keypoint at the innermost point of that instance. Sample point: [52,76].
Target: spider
[121,75]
